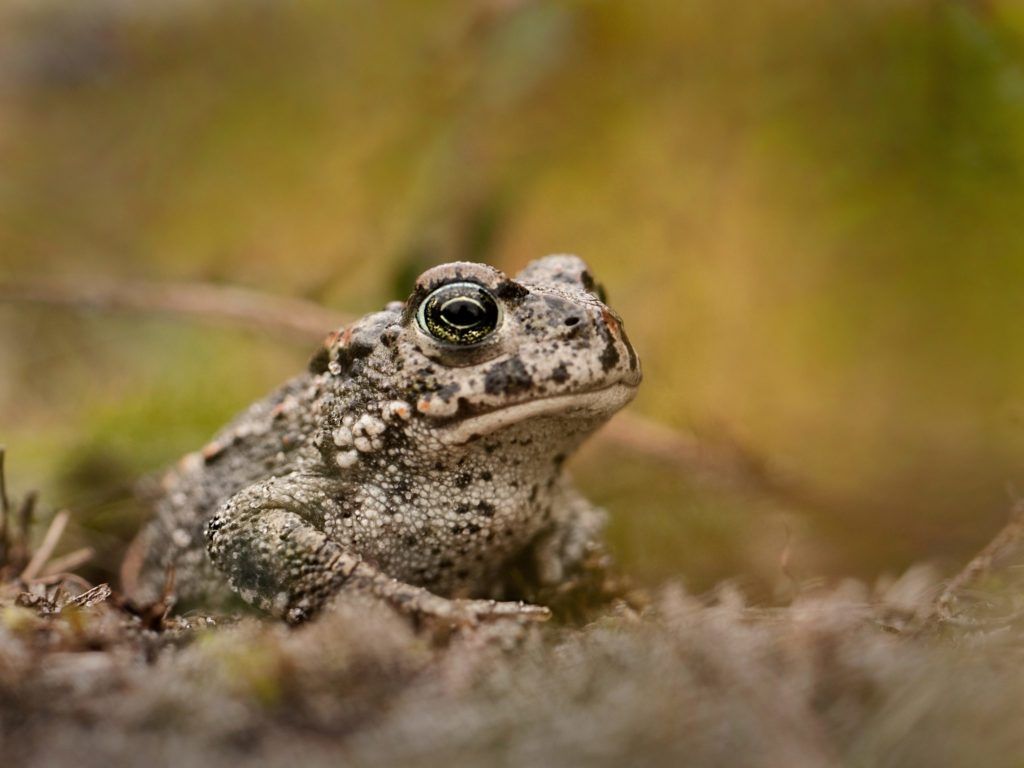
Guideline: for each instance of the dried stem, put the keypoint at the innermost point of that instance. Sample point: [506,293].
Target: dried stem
[240,307]
[67,563]
[5,508]
[1003,542]
[91,597]
[18,553]
[50,540]
[724,460]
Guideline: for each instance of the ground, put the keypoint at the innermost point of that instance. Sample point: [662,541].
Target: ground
[839,675]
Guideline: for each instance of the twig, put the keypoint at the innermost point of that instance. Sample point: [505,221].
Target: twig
[240,307]
[50,540]
[678,447]
[63,578]
[91,597]
[784,560]
[18,554]
[724,460]
[981,563]
[67,563]
[5,508]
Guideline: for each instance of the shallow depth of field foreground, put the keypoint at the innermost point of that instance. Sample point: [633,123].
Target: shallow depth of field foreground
[846,676]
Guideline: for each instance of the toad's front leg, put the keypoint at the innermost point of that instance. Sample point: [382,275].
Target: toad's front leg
[562,552]
[268,540]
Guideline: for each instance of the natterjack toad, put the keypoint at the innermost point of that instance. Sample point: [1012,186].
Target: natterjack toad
[421,453]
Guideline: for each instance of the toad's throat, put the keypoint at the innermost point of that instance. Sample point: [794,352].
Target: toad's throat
[593,404]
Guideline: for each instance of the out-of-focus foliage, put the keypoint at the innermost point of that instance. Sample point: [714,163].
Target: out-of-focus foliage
[808,213]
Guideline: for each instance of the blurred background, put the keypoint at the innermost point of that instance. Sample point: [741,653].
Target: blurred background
[809,215]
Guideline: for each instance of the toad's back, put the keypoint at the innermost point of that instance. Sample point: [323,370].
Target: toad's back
[268,439]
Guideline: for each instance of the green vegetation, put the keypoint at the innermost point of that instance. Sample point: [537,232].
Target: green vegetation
[807,214]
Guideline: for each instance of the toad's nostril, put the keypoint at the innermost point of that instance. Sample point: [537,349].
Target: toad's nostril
[571,321]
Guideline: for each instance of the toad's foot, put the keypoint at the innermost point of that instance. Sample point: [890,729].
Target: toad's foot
[423,605]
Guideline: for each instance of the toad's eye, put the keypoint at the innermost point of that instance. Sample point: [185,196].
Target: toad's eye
[459,313]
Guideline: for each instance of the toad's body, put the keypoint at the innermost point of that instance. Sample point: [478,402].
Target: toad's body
[421,453]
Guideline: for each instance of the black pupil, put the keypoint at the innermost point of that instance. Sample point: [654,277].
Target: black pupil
[463,312]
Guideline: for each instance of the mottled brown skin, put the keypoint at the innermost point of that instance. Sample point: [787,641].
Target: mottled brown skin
[403,466]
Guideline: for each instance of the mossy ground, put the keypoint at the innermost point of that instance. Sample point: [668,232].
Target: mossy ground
[834,675]
[840,676]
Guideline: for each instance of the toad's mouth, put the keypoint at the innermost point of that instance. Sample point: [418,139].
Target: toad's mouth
[592,403]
